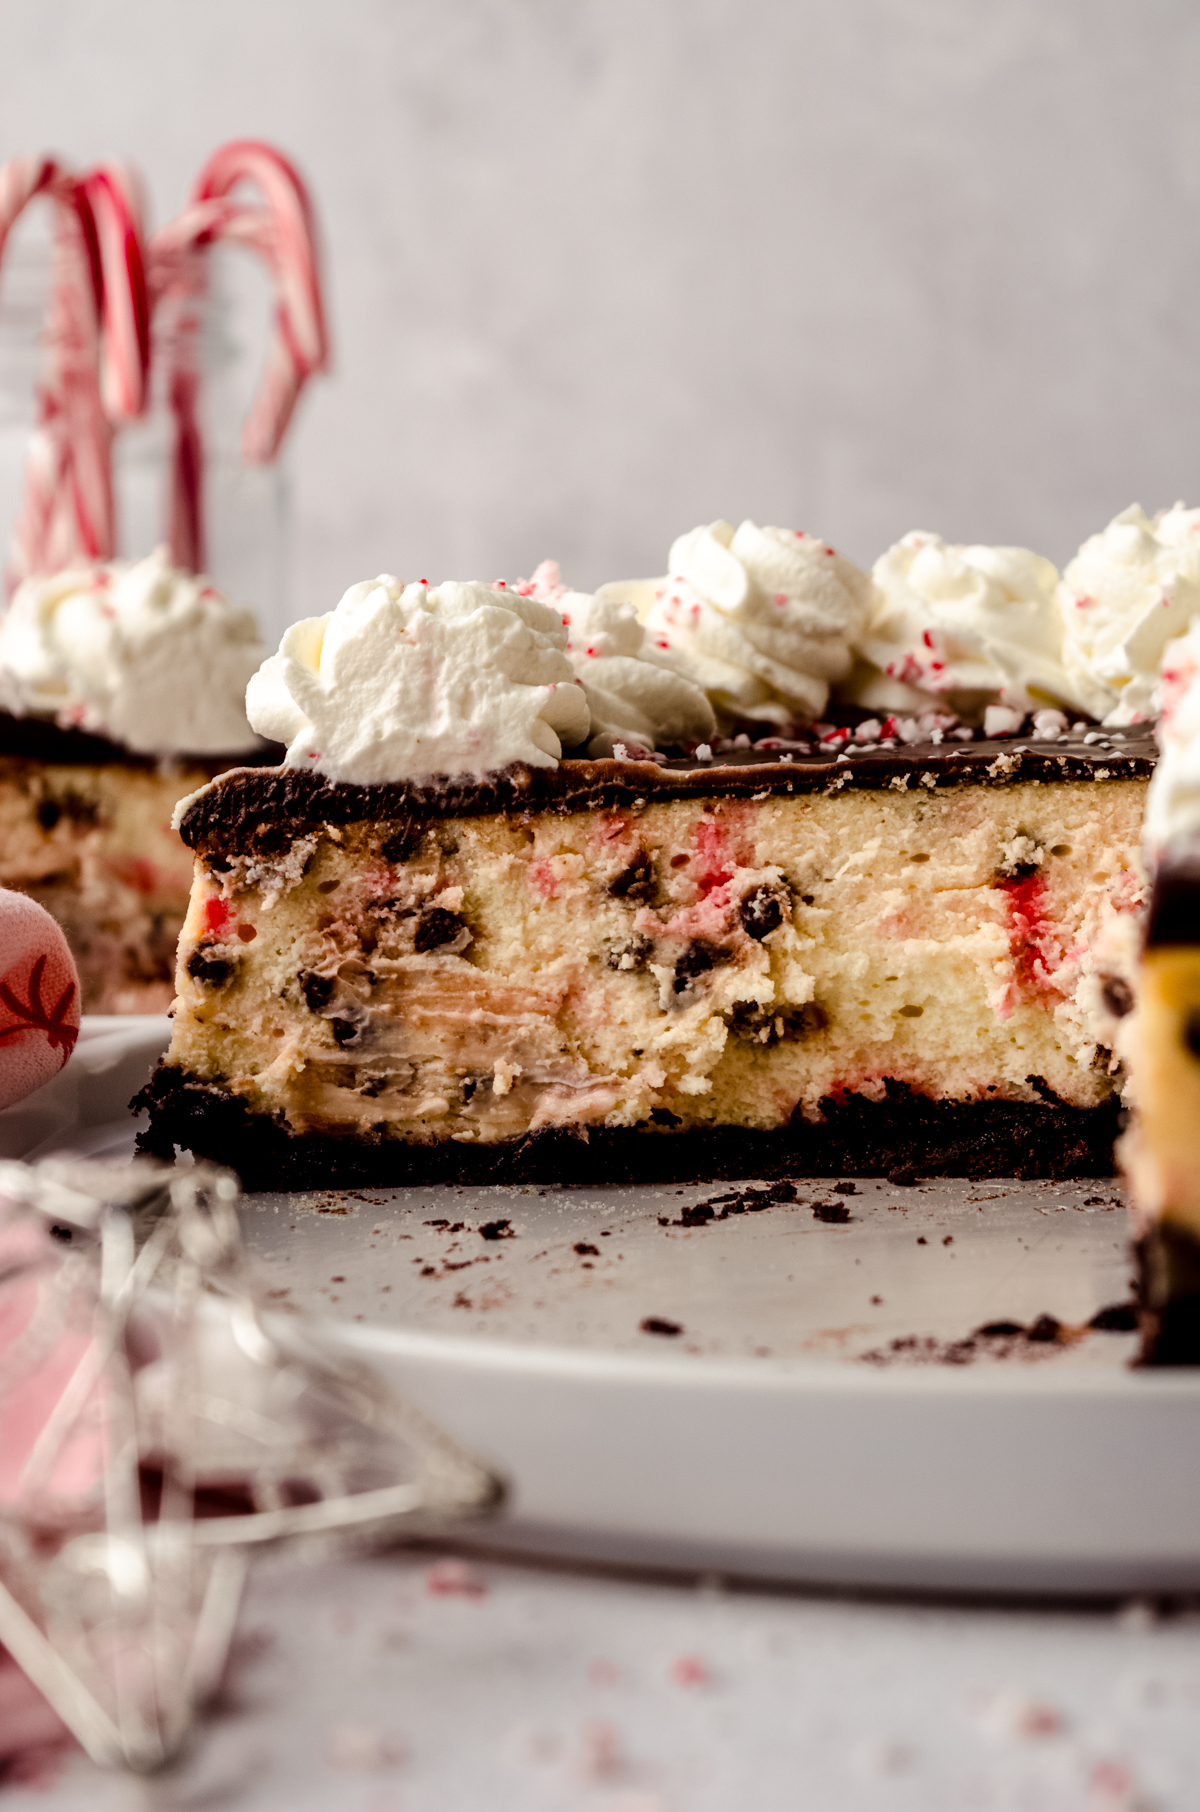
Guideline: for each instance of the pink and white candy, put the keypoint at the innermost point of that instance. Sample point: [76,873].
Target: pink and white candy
[39,997]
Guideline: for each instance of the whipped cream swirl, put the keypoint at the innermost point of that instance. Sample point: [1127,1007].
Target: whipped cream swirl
[1126,593]
[637,702]
[759,618]
[138,651]
[1173,800]
[964,627]
[402,682]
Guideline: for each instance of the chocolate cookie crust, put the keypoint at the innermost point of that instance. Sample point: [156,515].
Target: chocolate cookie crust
[904,1137]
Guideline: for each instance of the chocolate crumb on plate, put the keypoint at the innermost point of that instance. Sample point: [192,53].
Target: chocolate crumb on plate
[1117,1318]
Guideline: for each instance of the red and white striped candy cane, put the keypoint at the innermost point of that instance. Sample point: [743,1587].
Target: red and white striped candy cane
[283,233]
[67,503]
[97,306]
[113,194]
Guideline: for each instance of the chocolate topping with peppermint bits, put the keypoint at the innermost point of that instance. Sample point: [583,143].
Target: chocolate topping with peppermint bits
[225,813]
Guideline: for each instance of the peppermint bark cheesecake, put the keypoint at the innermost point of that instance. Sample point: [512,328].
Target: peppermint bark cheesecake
[121,690]
[432,945]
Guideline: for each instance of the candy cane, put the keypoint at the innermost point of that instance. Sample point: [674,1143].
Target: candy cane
[112,192]
[284,235]
[299,346]
[67,503]
[97,303]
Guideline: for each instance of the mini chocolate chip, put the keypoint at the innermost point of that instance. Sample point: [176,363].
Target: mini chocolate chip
[61,1233]
[636,882]
[436,927]
[74,806]
[209,971]
[998,1330]
[658,1324]
[1117,995]
[48,813]
[700,956]
[345,1031]
[1041,1087]
[763,910]
[586,1251]
[497,1230]
[316,989]
[767,1025]
[633,953]
[400,843]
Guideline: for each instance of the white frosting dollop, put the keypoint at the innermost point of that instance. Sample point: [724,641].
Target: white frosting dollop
[1127,592]
[1173,799]
[637,702]
[966,627]
[402,682]
[760,618]
[137,651]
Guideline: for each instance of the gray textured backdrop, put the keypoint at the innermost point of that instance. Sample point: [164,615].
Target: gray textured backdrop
[601,269]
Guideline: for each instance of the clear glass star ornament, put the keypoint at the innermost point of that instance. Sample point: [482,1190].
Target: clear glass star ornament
[156,1428]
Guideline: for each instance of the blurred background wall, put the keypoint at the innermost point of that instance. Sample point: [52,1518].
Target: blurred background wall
[603,269]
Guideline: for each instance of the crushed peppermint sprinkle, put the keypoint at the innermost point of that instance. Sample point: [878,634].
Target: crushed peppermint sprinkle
[704,752]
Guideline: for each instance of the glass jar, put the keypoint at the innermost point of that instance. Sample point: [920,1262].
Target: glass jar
[24,284]
[246,507]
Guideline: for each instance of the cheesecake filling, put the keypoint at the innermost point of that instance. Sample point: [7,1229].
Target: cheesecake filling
[94,846]
[667,964]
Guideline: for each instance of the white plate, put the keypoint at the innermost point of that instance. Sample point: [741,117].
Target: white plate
[759,1439]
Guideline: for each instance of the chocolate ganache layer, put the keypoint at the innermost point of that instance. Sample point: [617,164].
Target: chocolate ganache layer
[248,804]
[34,738]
